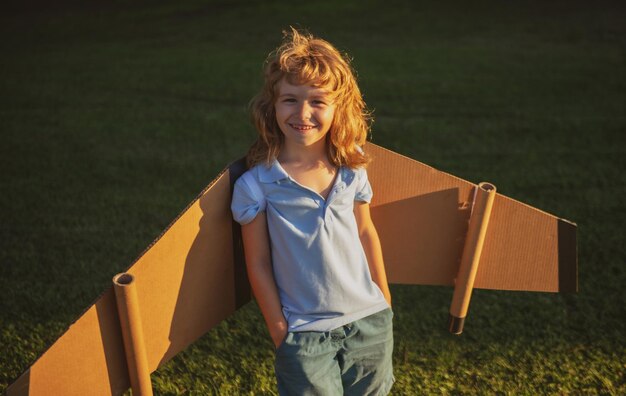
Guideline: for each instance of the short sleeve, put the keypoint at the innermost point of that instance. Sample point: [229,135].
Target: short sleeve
[363,188]
[245,205]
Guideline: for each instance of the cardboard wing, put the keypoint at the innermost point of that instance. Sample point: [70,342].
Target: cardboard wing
[193,275]
[432,233]
[422,216]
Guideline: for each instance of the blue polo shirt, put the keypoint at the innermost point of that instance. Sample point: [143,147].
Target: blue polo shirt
[319,265]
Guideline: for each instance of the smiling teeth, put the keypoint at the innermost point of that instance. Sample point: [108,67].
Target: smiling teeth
[302,127]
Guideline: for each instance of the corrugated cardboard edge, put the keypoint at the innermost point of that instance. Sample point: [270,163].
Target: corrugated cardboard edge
[568,257]
[243,293]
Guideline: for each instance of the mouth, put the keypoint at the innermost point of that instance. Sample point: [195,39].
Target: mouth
[302,127]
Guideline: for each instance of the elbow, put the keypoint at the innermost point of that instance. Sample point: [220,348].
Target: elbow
[367,231]
[364,235]
[368,235]
[259,265]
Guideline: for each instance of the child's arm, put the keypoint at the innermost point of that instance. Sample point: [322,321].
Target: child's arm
[371,245]
[259,263]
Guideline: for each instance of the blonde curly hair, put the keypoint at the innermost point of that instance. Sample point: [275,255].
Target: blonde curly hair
[304,59]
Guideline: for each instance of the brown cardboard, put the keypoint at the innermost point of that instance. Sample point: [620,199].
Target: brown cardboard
[192,277]
[132,334]
[480,213]
[187,282]
[421,215]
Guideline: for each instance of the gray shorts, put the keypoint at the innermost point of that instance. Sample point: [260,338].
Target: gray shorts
[354,359]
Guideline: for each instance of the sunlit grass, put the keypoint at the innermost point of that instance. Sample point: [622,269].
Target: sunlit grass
[113,118]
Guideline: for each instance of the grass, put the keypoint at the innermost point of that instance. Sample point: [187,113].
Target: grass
[114,116]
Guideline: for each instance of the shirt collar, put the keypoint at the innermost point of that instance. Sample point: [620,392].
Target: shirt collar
[272,173]
[347,175]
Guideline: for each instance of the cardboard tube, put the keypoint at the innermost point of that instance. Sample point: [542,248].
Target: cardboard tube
[479,219]
[132,332]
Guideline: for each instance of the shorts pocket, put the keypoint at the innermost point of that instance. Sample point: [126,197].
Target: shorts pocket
[288,336]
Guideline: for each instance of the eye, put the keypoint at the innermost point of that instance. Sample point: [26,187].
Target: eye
[289,100]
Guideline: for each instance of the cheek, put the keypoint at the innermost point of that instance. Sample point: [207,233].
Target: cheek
[279,113]
[329,116]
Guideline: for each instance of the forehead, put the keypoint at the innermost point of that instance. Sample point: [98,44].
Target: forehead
[284,87]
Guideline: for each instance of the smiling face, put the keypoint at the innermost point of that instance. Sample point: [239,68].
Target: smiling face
[304,113]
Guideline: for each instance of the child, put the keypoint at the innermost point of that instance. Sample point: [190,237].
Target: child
[313,255]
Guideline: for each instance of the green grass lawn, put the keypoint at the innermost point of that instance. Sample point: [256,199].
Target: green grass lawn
[114,117]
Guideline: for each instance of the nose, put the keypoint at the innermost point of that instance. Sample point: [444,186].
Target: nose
[304,110]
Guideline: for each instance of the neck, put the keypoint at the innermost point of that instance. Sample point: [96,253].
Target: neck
[310,155]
